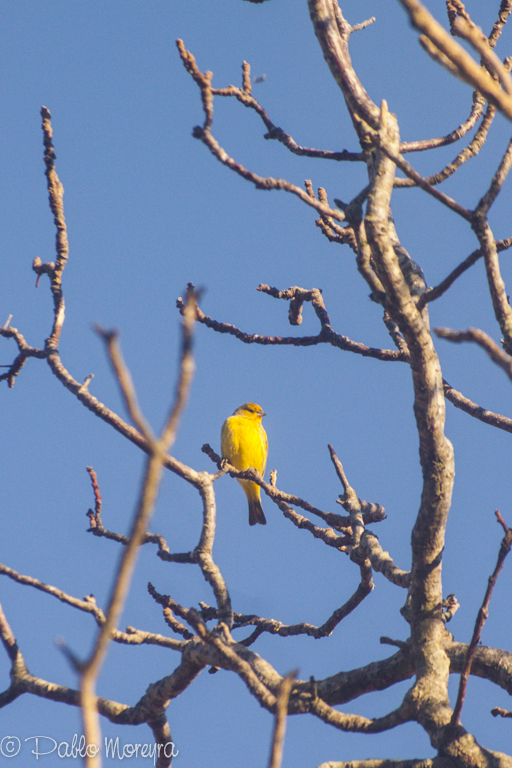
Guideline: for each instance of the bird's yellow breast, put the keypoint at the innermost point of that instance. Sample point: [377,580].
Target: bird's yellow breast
[244,443]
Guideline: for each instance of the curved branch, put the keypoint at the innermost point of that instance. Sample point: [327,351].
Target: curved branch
[492,664]
[502,309]
[453,136]
[434,293]
[358,724]
[473,148]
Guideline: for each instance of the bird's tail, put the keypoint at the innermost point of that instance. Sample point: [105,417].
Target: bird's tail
[256,514]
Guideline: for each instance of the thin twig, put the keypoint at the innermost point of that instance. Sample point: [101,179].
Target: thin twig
[473,148]
[88,605]
[483,613]
[434,293]
[124,380]
[245,97]
[453,136]
[283,696]
[497,289]
[148,493]
[409,171]
[483,340]
[496,184]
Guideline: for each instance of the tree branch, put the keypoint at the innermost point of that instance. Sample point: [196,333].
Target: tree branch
[483,340]
[205,135]
[483,613]
[466,67]
[326,336]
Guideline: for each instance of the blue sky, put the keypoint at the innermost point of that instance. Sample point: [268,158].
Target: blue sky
[149,209]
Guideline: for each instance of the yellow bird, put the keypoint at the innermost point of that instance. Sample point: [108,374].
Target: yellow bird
[244,444]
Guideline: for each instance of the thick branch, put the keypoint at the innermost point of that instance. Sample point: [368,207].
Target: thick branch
[468,406]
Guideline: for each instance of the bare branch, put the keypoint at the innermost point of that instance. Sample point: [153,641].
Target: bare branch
[25,351]
[55,193]
[382,562]
[148,493]
[496,184]
[124,379]
[349,501]
[333,33]
[483,340]
[498,711]
[356,723]
[326,336]
[450,138]
[233,661]
[501,306]
[205,135]
[283,696]
[503,14]
[483,613]
[473,148]
[334,232]
[409,171]
[467,69]
[463,27]
[244,95]
[434,293]
[88,605]
[372,513]
[363,24]
[468,406]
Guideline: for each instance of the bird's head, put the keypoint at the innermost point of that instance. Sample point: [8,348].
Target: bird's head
[250,411]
